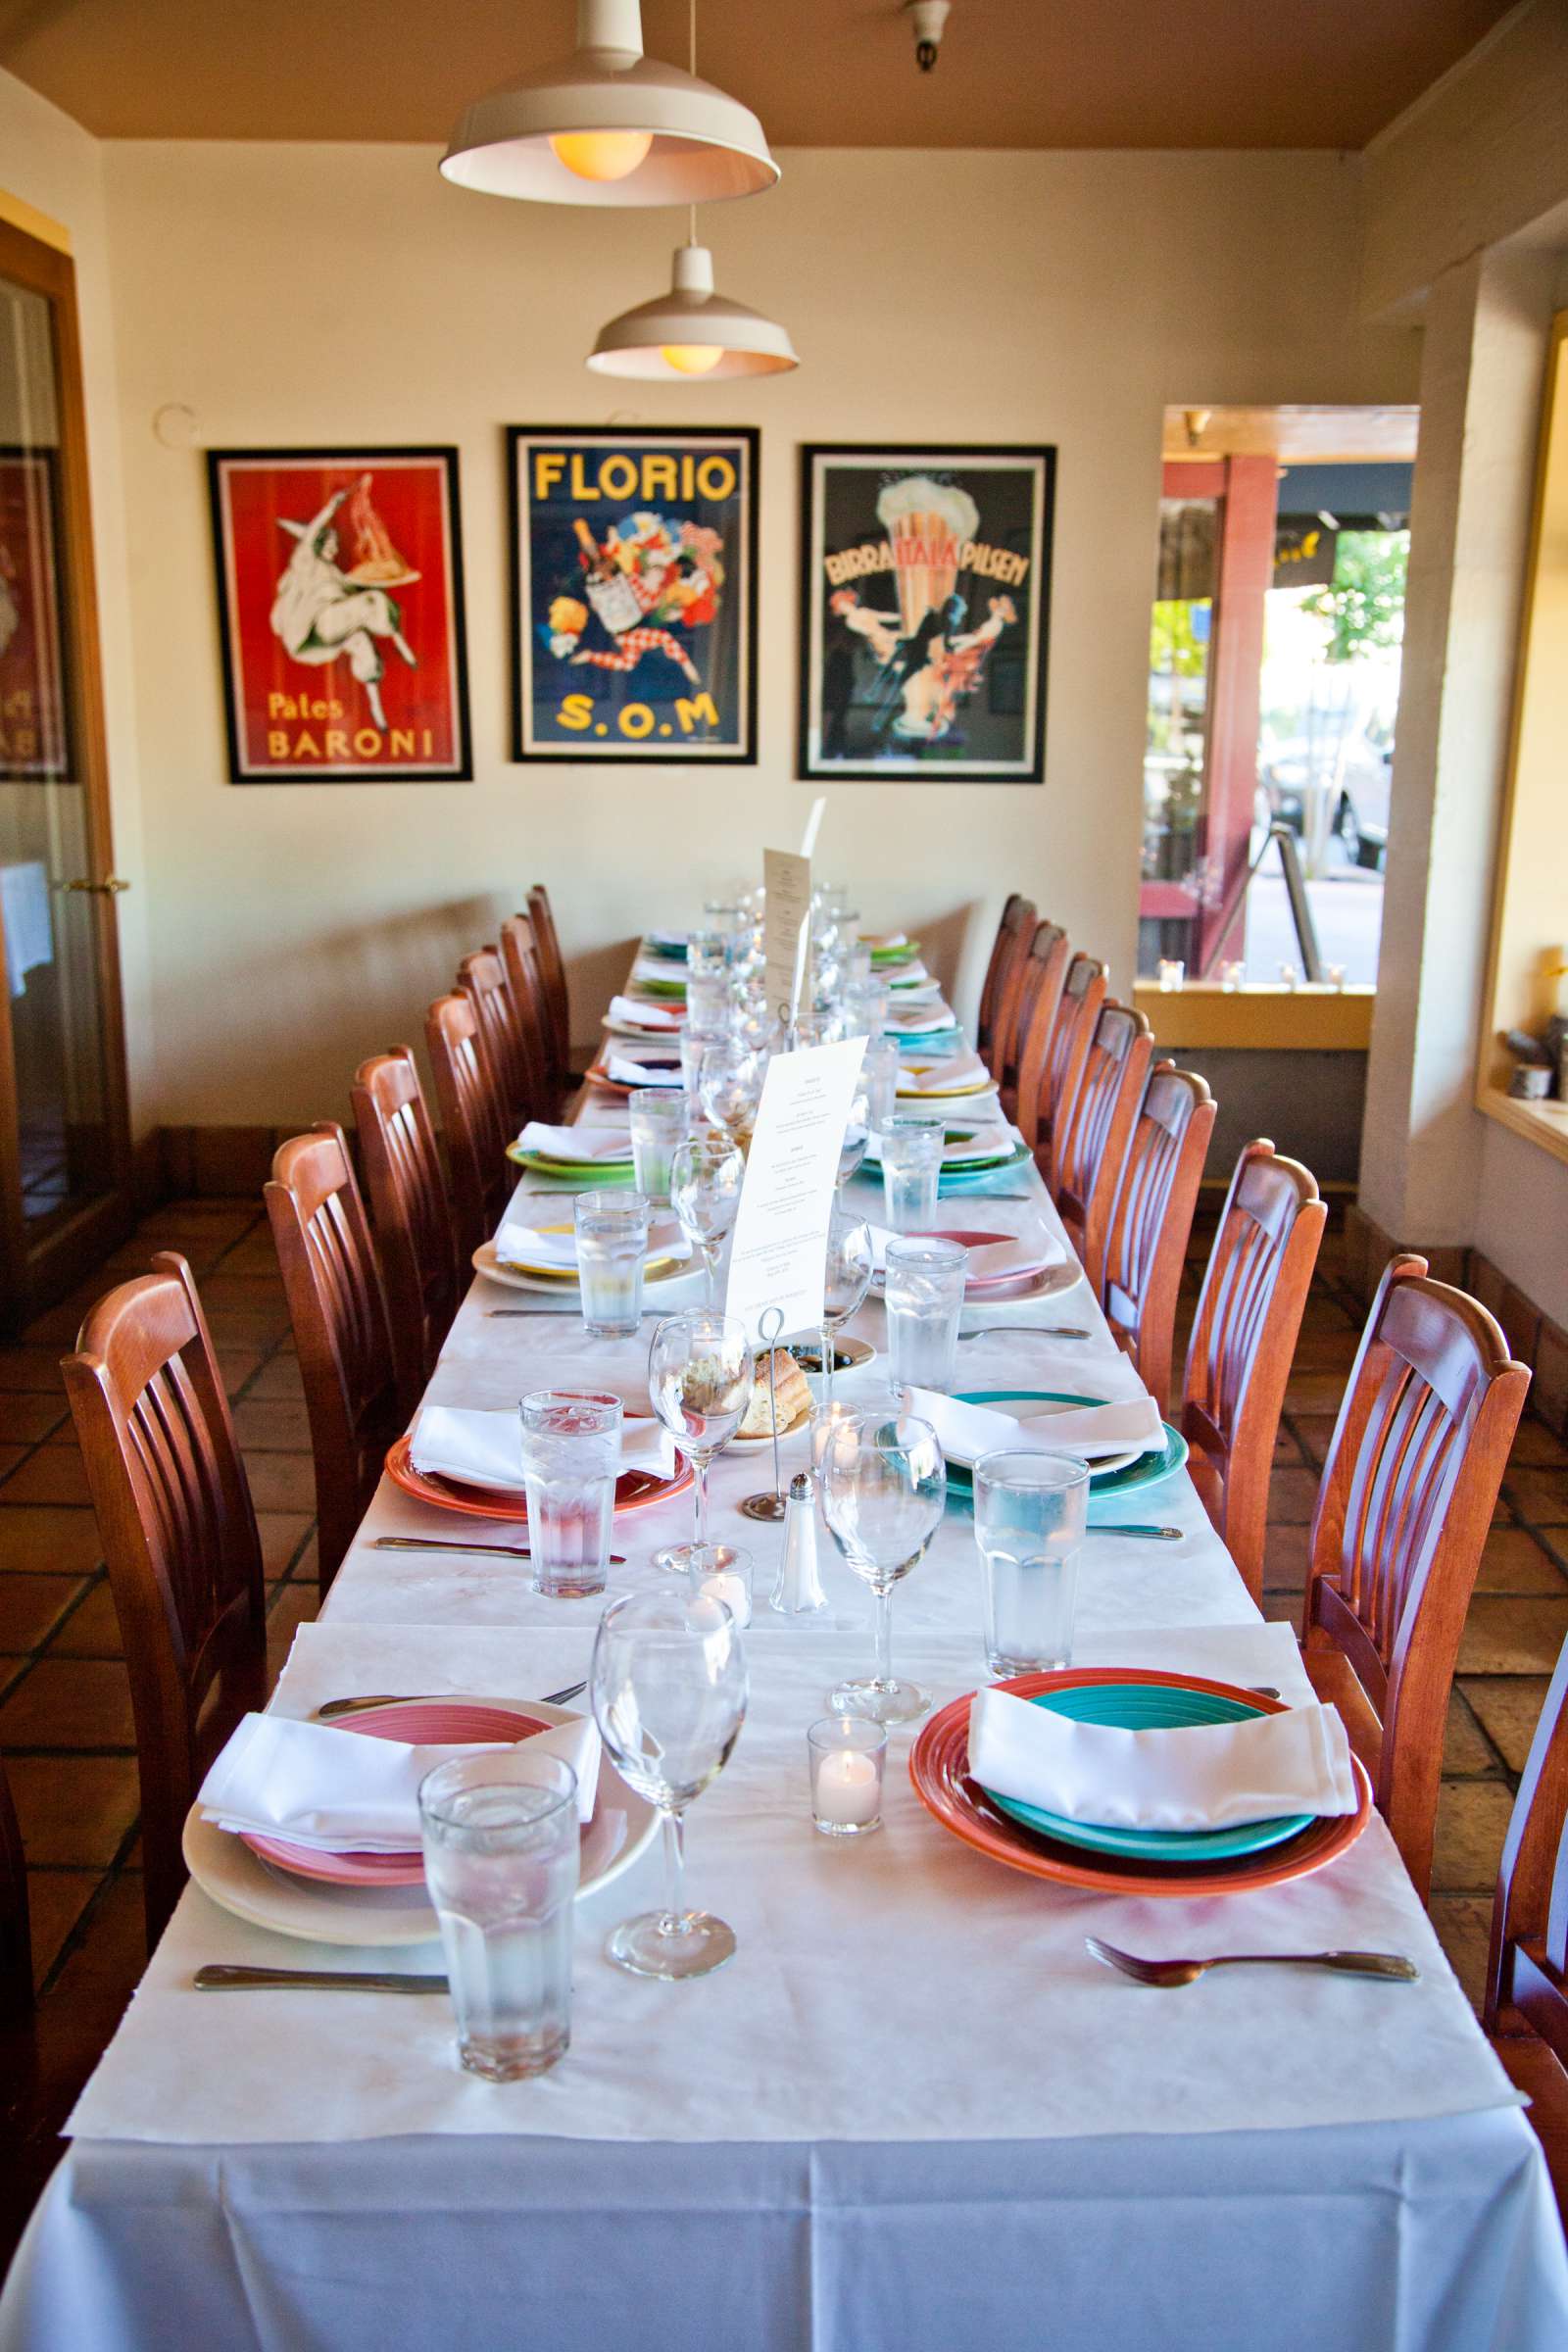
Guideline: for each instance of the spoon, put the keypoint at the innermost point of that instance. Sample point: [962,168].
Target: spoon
[1392,1967]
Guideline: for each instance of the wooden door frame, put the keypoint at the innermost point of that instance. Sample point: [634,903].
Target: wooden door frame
[40,1270]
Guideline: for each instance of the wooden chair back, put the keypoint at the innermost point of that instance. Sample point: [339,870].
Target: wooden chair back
[1083,992]
[16,1934]
[1527,1980]
[472,1125]
[337,1307]
[1238,1358]
[519,950]
[1011,941]
[553,973]
[179,1538]
[1049,954]
[1004,1056]
[1152,1221]
[1092,1143]
[482,979]
[1406,1498]
[412,1213]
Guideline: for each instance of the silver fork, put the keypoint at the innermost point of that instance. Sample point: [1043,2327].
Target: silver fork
[1392,1967]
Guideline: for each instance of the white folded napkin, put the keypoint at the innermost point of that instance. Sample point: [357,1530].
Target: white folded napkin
[632,1013]
[885,939]
[580,1143]
[484,1449]
[1211,1776]
[626,1070]
[919,1018]
[908,991]
[990,1143]
[340,1791]
[967,1431]
[959,1070]
[529,1246]
[656,967]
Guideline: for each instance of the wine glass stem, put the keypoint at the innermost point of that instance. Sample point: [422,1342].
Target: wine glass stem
[700,1463]
[674,1870]
[884,1633]
[710,1273]
[827,1362]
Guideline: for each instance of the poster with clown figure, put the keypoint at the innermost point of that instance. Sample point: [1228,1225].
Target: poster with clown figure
[634,594]
[925,606]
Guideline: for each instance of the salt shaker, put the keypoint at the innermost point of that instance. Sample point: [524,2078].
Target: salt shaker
[798,1592]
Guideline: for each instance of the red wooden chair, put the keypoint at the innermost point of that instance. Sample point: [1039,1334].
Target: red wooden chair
[16,1934]
[1152,1221]
[1238,1358]
[1010,945]
[1526,2008]
[472,1125]
[1406,1498]
[1092,1143]
[180,1537]
[413,1230]
[1049,952]
[482,979]
[553,973]
[336,1306]
[519,950]
[1083,992]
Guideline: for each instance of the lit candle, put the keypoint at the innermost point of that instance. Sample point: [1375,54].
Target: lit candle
[848,1788]
[732,1591]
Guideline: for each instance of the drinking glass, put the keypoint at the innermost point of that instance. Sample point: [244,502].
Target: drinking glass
[879,1075]
[658,1118]
[911,1172]
[726,916]
[865,1009]
[571,1462]
[857,961]
[924,1296]
[846,1279]
[853,1150]
[705,1175]
[501,1861]
[692,1047]
[668,1683]
[708,1003]
[612,1245]
[707,954]
[1030,1511]
[730,1086]
[884,1489]
[700,1381]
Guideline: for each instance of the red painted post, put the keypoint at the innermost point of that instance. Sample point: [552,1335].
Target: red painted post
[1235,683]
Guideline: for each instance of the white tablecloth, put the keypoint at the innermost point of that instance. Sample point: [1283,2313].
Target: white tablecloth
[912,2112]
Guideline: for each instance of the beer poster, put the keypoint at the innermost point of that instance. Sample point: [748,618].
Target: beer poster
[32,706]
[634,594]
[340,603]
[925,608]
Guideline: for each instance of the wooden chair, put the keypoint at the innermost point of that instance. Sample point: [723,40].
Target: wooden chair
[180,1537]
[471,1122]
[1238,1358]
[482,979]
[413,1230]
[341,1333]
[1003,1061]
[1049,952]
[1526,2009]
[1407,1496]
[553,973]
[16,1932]
[1152,1221]
[1092,1143]
[519,950]
[1012,942]
[1083,992]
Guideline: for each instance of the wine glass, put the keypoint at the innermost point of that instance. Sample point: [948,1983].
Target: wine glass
[700,1381]
[705,1175]
[668,1685]
[846,1279]
[884,1489]
[731,1085]
[857,1139]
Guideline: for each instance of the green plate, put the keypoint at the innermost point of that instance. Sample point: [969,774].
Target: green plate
[583,1173]
[888,959]
[960,1179]
[1144,1707]
[966,1170]
[1147,1471]
[664,987]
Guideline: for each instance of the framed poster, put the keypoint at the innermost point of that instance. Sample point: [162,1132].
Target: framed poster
[340,603]
[34,734]
[634,594]
[924,613]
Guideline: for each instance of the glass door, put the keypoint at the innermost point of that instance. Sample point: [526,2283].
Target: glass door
[64,1160]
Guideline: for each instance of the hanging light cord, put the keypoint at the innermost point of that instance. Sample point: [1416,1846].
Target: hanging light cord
[691,235]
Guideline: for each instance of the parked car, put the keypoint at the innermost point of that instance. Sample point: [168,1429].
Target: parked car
[1289,770]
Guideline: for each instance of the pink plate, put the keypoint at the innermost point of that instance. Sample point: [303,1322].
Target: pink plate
[974,1238]
[422,1723]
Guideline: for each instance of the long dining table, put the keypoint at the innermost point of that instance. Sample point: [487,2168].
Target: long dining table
[912,2111]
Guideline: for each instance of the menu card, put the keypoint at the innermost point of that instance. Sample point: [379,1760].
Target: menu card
[780,1247]
[788,882]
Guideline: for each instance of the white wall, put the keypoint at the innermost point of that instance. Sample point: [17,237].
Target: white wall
[307,294]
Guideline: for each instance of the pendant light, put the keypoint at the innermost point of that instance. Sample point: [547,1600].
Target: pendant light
[610,126]
[691,330]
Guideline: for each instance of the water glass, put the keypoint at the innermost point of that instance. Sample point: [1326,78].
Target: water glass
[571,1462]
[865,1010]
[911,1172]
[708,1003]
[879,1076]
[846,1755]
[723,1571]
[1030,1512]
[612,1245]
[500,1862]
[692,1047]
[924,1298]
[658,1118]
[846,1279]
[707,955]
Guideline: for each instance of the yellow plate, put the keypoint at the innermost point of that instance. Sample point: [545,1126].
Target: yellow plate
[566,1277]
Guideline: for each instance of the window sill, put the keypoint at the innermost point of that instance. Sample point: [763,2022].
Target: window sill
[1270,1019]
[1542,1123]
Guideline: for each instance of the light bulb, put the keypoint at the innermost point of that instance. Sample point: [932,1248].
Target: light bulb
[691,359]
[601,153]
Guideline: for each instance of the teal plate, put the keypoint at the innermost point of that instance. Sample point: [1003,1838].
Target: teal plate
[673,951]
[1147,1471]
[1148,1708]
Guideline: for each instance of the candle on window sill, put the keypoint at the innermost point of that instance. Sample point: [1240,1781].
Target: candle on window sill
[846,1755]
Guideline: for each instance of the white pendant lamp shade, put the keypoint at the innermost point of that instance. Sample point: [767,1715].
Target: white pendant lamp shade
[610,126]
[692,331]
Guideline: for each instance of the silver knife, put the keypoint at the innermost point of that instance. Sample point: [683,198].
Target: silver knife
[1150,1535]
[492,1551]
[216,1977]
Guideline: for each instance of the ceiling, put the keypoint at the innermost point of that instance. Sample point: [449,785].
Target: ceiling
[820,73]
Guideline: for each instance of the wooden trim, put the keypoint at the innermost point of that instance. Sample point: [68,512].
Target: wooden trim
[1542,1123]
[19,214]
[1267,1020]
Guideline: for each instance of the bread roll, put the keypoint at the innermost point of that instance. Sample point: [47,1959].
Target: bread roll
[794,1396]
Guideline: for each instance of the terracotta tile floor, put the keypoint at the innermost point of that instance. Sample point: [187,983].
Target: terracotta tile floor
[65,1718]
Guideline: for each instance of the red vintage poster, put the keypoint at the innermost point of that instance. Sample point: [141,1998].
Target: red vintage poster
[340,597]
[32,712]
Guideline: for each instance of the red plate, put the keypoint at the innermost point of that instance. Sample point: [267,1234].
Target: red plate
[598,1076]
[635,1489]
[972,1238]
[422,1723]
[939,1766]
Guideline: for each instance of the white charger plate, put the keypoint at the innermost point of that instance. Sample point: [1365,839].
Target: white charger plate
[237,1880]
